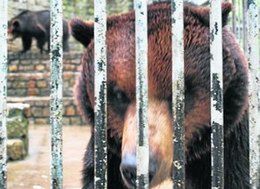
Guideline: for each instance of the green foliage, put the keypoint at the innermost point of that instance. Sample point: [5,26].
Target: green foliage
[78,8]
[84,9]
[119,6]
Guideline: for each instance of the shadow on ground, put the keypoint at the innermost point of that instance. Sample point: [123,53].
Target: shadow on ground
[34,171]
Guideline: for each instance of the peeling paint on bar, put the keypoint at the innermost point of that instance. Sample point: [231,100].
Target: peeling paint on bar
[100,26]
[254,68]
[3,91]
[178,95]
[216,82]
[56,94]
[141,38]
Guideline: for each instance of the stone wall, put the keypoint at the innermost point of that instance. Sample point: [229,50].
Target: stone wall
[17,131]
[28,82]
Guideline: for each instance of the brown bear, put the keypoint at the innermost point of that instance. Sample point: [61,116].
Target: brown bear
[122,99]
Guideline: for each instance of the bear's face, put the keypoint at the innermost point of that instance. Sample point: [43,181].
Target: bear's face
[121,87]
[14,28]
[19,24]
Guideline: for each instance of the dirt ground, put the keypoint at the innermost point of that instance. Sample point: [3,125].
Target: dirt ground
[34,171]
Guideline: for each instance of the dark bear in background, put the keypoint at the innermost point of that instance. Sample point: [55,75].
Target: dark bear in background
[121,88]
[35,24]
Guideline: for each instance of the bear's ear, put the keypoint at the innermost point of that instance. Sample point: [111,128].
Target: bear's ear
[226,9]
[202,13]
[82,31]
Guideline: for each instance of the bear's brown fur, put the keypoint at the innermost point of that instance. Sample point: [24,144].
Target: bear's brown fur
[121,98]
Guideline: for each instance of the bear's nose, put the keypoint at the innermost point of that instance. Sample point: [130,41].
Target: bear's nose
[128,170]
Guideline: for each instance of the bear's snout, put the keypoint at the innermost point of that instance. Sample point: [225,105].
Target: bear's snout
[160,143]
[128,169]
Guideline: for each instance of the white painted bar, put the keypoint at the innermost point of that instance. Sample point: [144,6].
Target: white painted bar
[3,91]
[56,95]
[254,83]
[141,39]
[178,95]
[100,27]
[216,83]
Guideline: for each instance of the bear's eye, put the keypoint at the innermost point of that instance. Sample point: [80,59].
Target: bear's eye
[119,95]
[118,100]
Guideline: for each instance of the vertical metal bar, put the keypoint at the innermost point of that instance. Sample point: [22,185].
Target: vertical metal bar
[56,94]
[254,68]
[100,26]
[3,91]
[216,82]
[178,94]
[141,38]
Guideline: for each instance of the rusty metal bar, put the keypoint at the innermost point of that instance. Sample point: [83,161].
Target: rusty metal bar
[178,96]
[141,38]
[254,83]
[56,94]
[216,82]
[100,26]
[3,92]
